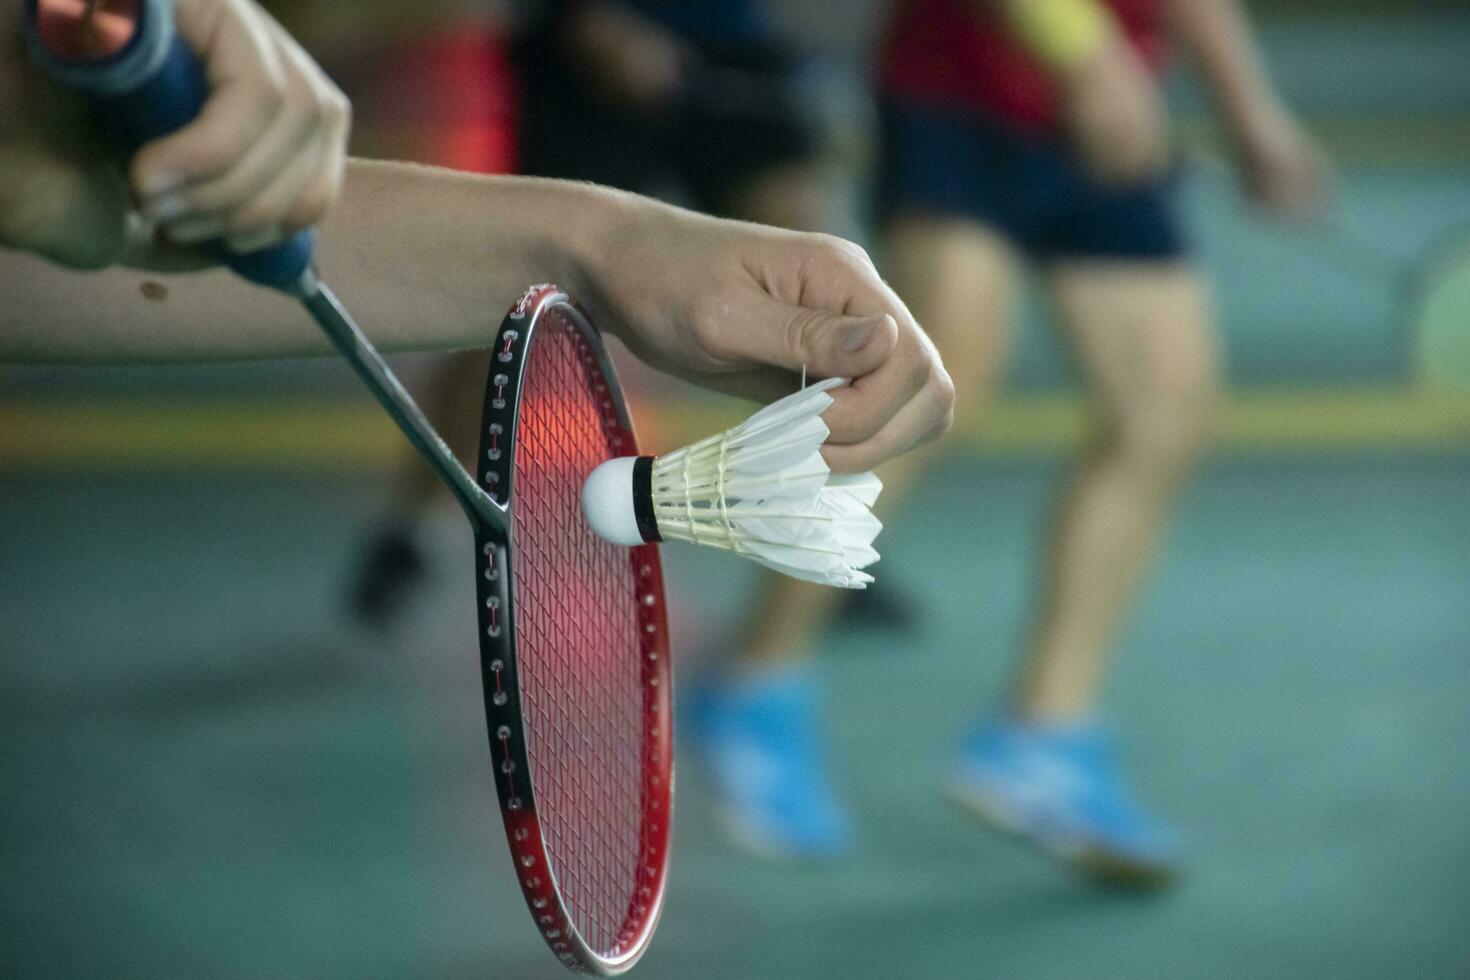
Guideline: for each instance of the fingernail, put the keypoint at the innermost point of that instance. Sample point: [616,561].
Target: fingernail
[192,230]
[163,182]
[255,241]
[138,237]
[165,207]
[860,333]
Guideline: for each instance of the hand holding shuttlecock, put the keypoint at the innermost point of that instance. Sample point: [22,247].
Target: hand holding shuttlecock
[761,489]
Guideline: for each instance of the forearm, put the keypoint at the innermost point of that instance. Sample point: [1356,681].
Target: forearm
[1216,35]
[423,258]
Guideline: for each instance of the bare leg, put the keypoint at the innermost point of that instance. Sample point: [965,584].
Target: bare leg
[794,196]
[394,561]
[787,614]
[1143,336]
[453,404]
[759,731]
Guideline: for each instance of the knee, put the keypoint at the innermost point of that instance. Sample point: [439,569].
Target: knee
[974,404]
[1165,431]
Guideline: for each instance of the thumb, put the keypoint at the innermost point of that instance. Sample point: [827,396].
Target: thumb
[824,342]
[73,215]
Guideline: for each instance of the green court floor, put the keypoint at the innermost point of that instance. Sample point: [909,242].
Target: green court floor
[208,773]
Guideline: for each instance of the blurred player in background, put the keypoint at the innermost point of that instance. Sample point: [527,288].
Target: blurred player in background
[694,100]
[1034,131]
[433,84]
[430,83]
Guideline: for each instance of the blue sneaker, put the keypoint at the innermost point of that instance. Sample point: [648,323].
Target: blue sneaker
[1060,787]
[759,738]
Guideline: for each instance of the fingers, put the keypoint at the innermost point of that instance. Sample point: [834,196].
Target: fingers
[924,417]
[248,86]
[823,343]
[265,157]
[68,212]
[900,395]
[742,309]
[906,401]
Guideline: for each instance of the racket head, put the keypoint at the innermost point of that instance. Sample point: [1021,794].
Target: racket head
[1439,312]
[574,647]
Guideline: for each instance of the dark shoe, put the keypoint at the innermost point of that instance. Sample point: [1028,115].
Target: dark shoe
[881,606]
[390,571]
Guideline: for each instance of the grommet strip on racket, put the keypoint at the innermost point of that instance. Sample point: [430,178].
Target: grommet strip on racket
[572,629]
[574,647]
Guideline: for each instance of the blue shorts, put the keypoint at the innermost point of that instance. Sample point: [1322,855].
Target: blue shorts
[1028,186]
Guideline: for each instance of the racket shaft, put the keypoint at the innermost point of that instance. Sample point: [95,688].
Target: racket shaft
[350,341]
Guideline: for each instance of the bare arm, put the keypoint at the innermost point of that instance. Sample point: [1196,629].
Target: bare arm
[1280,166]
[626,57]
[429,258]
[1217,37]
[1111,105]
[424,258]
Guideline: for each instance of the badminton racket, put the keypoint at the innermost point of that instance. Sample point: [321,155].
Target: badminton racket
[1429,290]
[1429,287]
[573,632]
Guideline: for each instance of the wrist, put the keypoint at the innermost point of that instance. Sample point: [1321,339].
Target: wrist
[593,237]
[1249,126]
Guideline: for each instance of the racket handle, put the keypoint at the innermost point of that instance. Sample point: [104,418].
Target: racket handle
[151,87]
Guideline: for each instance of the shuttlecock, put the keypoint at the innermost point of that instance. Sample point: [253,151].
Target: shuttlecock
[761,489]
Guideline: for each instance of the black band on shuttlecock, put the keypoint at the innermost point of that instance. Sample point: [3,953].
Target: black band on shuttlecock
[643,499]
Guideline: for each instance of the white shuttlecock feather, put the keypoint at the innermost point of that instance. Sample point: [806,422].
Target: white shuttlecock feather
[760,489]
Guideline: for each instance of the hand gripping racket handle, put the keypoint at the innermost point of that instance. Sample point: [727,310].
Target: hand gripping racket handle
[144,83]
[149,88]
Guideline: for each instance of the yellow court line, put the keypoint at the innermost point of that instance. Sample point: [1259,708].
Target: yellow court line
[116,433]
[129,434]
[1365,419]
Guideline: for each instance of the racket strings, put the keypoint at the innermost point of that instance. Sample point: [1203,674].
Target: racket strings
[582,676]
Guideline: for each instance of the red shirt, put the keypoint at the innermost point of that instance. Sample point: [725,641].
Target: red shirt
[946,52]
[447,98]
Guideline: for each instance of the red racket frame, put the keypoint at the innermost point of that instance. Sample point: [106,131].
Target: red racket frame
[495,584]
